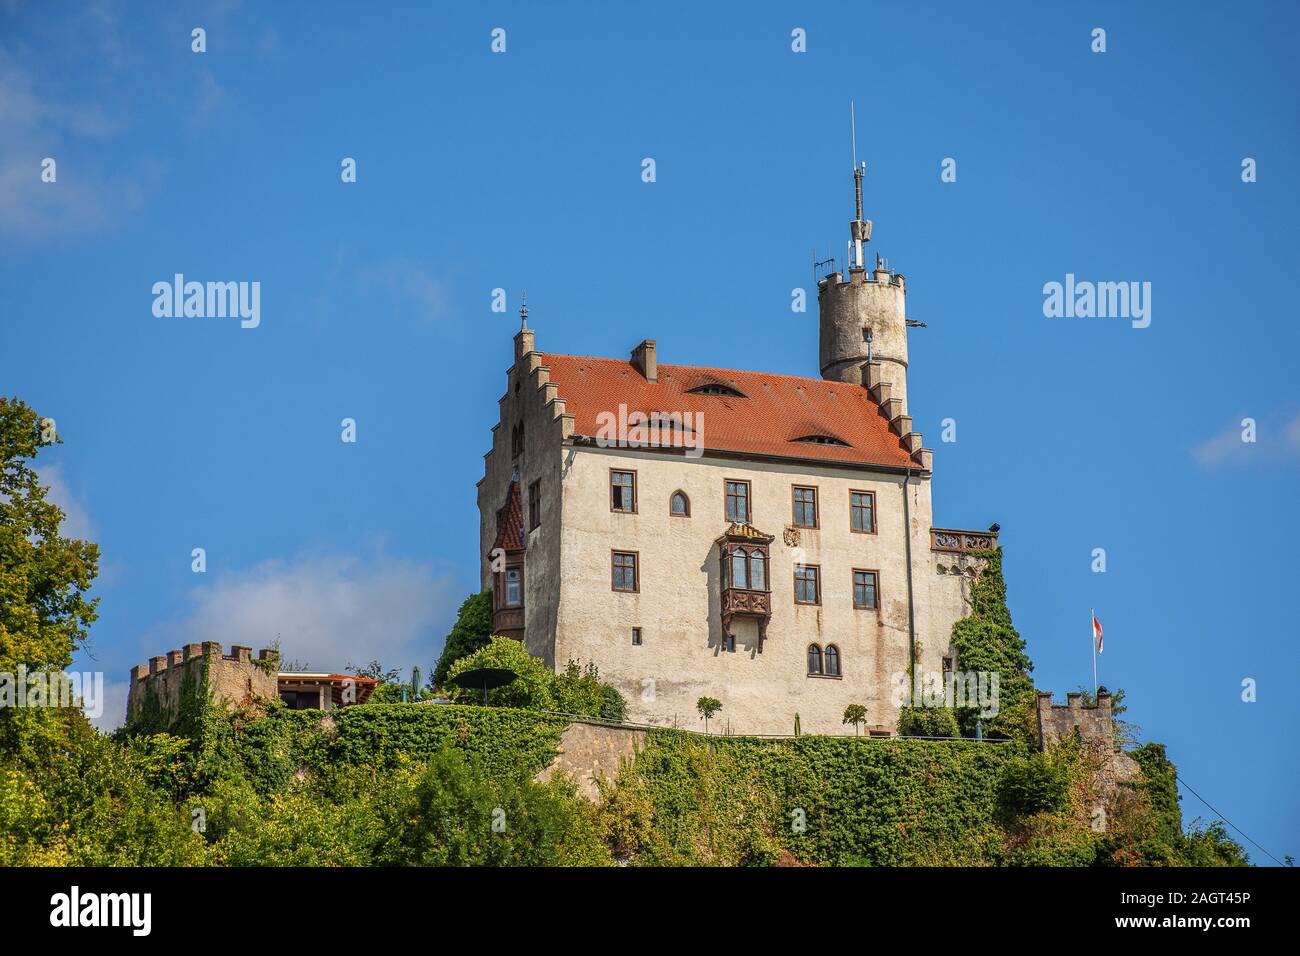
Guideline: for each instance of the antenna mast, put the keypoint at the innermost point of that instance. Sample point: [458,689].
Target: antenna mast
[859,229]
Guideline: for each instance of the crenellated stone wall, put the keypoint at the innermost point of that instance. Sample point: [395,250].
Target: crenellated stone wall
[230,680]
[1095,726]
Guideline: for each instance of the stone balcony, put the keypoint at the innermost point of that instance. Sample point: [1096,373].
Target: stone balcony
[956,541]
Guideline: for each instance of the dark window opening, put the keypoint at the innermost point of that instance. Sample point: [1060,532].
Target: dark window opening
[622,491]
[821,440]
[715,388]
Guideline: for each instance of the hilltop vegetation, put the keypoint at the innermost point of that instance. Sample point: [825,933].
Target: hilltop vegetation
[416,784]
[420,784]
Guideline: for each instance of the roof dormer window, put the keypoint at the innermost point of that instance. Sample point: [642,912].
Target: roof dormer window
[821,440]
[716,388]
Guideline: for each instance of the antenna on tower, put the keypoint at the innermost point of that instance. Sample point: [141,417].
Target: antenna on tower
[853,133]
[859,229]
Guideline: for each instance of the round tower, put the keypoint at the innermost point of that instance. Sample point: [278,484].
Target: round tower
[863,317]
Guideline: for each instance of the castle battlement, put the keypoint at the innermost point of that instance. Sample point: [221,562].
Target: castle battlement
[1096,728]
[862,276]
[1093,723]
[229,679]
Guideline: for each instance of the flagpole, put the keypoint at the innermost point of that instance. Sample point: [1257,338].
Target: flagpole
[1092,637]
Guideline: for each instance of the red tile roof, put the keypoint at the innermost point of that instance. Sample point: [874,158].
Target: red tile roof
[776,409]
[510,522]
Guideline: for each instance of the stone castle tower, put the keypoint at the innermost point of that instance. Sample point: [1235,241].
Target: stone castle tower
[863,317]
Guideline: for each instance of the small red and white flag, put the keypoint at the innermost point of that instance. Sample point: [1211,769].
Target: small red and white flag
[1096,631]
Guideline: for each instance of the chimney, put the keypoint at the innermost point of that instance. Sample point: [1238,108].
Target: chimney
[643,357]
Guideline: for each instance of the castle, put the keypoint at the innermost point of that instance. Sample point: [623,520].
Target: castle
[160,688]
[763,539]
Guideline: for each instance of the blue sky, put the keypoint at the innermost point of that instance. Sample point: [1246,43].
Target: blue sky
[522,170]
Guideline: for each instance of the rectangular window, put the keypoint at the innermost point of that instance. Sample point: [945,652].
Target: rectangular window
[807,588]
[622,491]
[805,507]
[738,501]
[534,504]
[514,596]
[636,637]
[729,644]
[862,506]
[864,590]
[625,571]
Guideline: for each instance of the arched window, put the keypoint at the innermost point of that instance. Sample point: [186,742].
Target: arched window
[679,504]
[832,661]
[757,577]
[739,572]
[814,659]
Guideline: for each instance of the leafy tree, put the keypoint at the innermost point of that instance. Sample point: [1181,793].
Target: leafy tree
[576,690]
[531,688]
[986,640]
[612,705]
[855,714]
[472,630]
[458,815]
[44,576]
[927,722]
[70,796]
[375,669]
[708,706]
[1032,783]
[387,694]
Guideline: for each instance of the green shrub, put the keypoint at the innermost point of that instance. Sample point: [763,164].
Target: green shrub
[927,722]
[531,688]
[1030,783]
[456,814]
[576,690]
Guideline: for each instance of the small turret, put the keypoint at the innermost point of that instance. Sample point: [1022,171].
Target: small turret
[863,317]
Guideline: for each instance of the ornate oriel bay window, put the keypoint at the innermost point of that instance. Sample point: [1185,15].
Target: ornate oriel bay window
[746,591]
[508,593]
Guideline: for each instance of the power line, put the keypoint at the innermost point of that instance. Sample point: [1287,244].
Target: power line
[1226,820]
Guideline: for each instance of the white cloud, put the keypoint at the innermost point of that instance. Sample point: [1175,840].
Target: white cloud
[76,521]
[327,610]
[35,125]
[1272,443]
